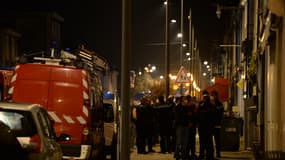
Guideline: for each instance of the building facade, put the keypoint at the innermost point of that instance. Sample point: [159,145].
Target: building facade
[8,47]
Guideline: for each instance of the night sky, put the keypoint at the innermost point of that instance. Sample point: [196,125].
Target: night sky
[97,24]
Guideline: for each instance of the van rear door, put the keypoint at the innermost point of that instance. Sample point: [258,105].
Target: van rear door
[66,98]
[32,84]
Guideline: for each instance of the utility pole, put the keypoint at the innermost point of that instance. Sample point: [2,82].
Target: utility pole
[190,46]
[181,42]
[167,49]
[125,80]
[192,53]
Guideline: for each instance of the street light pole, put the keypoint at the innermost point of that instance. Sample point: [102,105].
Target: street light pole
[181,22]
[125,80]
[181,43]
[190,46]
[167,49]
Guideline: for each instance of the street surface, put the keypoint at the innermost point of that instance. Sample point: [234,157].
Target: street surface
[226,155]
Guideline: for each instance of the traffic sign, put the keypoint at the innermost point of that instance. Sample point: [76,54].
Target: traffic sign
[182,76]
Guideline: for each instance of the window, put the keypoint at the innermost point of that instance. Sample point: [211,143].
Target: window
[20,122]
[45,123]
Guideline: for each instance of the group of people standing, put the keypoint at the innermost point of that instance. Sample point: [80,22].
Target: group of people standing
[175,123]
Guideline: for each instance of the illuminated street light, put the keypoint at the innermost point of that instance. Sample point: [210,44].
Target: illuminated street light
[204,74]
[140,73]
[187,53]
[205,62]
[179,35]
[165,3]
[161,77]
[150,68]
[146,69]
[184,45]
[173,21]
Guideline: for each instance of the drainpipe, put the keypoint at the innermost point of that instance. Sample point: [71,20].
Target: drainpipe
[272,108]
[282,92]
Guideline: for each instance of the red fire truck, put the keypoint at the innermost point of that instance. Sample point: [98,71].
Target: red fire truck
[70,90]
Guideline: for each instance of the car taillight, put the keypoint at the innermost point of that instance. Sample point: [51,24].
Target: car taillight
[35,143]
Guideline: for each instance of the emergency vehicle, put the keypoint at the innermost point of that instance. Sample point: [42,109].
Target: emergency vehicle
[70,89]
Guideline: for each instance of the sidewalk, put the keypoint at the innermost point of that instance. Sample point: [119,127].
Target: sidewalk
[226,155]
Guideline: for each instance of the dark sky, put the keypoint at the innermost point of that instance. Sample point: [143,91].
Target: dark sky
[97,24]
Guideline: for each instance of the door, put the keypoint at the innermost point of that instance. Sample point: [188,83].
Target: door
[51,147]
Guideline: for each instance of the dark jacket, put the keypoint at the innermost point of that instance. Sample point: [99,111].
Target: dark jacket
[145,119]
[207,114]
[164,117]
[220,111]
[193,117]
[181,115]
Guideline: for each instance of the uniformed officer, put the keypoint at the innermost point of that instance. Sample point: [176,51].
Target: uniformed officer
[217,130]
[206,121]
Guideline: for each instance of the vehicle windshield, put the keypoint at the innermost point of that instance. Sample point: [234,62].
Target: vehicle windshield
[20,122]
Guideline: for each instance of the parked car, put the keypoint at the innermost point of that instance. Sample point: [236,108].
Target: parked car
[29,128]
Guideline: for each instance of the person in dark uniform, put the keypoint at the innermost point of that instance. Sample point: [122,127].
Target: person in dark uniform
[191,147]
[148,120]
[206,121]
[182,130]
[144,125]
[164,111]
[217,130]
[171,103]
[138,120]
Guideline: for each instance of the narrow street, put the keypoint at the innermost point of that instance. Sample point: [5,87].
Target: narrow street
[242,154]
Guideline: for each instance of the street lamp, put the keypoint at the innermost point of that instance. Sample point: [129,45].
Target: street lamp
[179,35]
[181,25]
[173,21]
